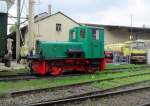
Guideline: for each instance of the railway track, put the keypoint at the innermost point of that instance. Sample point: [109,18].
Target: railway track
[27,92]
[34,76]
[120,69]
[145,104]
[18,93]
[36,92]
[31,76]
[87,96]
[18,77]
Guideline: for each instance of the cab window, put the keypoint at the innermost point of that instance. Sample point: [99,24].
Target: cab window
[73,35]
[82,33]
[137,45]
[95,34]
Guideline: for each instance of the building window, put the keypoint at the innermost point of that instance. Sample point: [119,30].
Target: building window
[58,27]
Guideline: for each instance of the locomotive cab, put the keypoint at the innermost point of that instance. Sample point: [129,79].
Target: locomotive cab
[92,40]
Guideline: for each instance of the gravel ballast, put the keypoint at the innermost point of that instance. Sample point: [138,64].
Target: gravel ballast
[132,99]
[44,96]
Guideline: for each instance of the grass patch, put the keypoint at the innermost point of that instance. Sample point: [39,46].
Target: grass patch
[120,82]
[113,66]
[51,82]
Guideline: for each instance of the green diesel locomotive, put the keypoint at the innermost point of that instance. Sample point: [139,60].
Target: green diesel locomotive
[83,52]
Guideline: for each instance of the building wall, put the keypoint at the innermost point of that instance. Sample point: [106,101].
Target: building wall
[46,29]
[144,36]
[116,36]
[119,36]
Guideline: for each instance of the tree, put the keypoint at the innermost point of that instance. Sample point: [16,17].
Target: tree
[12,28]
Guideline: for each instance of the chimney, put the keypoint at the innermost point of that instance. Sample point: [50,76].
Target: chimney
[49,9]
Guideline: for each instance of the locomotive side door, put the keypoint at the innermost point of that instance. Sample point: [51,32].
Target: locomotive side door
[97,43]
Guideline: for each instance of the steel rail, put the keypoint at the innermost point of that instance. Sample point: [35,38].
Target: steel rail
[134,67]
[87,96]
[34,76]
[145,104]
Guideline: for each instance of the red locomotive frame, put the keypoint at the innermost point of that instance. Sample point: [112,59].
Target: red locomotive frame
[57,66]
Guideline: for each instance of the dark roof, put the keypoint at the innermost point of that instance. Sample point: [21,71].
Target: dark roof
[40,16]
[23,31]
[56,14]
[115,27]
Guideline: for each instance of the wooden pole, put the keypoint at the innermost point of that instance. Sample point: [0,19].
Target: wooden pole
[30,25]
[18,30]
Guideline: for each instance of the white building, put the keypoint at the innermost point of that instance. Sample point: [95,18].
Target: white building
[53,27]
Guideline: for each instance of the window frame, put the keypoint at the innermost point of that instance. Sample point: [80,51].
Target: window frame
[73,35]
[95,34]
[82,33]
[58,27]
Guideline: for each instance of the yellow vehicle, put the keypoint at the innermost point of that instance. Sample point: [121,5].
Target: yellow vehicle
[136,50]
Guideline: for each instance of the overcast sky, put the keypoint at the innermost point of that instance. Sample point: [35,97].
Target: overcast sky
[110,12]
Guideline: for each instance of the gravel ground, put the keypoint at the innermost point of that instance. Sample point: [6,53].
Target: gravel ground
[70,91]
[14,65]
[44,96]
[132,99]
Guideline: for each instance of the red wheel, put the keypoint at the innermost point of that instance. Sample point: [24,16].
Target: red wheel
[90,70]
[56,71]
[102,64]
